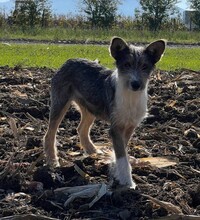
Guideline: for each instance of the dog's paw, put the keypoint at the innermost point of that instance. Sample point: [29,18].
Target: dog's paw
[122,173]
[121,184]
[90,149]
[53,162]
[95,151]
[126,181]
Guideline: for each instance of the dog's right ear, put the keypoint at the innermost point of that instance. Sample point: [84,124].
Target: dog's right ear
[117,45]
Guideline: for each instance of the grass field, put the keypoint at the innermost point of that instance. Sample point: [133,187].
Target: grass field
[81,34]
[53,56]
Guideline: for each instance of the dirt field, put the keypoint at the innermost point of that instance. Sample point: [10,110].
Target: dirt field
[166,187]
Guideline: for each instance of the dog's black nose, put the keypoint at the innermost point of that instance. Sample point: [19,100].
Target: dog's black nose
[135,85]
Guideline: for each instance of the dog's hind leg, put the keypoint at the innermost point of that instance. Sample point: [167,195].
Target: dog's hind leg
[60,102]
[87,120]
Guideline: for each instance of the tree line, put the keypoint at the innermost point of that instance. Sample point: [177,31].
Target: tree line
[152,14]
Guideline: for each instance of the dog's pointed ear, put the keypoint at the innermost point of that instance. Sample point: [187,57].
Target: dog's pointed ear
[155,50]
[117,45]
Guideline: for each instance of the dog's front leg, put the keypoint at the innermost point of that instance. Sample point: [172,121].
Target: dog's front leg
[122,170]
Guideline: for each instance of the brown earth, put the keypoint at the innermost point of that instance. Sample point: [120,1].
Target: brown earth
[171,131]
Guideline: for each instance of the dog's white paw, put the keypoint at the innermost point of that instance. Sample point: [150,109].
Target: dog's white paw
[122,173]
[126,180]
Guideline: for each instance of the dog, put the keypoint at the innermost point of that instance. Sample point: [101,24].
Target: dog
[118,96]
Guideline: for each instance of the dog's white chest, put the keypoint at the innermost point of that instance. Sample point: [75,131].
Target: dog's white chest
[131,107]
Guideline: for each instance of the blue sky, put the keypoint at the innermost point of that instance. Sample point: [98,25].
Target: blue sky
[72,6]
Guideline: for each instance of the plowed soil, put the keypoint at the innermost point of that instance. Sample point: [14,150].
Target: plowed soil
[165,188]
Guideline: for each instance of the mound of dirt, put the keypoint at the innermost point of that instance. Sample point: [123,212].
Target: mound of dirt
[167,145]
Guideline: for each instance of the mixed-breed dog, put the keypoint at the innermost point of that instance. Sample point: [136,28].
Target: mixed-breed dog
[118,96]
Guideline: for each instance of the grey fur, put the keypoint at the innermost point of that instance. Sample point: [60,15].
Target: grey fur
[87,83]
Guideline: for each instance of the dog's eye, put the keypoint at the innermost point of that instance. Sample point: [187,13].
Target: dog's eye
[127,65]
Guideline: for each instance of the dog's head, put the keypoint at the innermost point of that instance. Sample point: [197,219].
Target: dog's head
[135,64]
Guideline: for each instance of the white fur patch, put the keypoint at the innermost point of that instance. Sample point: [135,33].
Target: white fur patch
[123,172]
[131,106]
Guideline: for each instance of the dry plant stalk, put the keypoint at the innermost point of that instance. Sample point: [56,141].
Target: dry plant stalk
[166,205]
[180,217]
[28,217]
[86,191]
[13,125]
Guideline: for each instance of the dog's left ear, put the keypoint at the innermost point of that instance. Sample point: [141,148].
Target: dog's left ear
[117,46]
[155,50]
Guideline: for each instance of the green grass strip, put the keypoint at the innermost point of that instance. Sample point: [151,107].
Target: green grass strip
[53,56]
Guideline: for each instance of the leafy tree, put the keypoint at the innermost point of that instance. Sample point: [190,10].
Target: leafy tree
[100,13]
[155,12]
[195,4]
[31,13]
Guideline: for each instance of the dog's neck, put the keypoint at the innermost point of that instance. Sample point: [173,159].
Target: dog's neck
[130,106]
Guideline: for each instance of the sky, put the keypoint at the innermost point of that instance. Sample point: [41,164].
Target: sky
[72,6]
